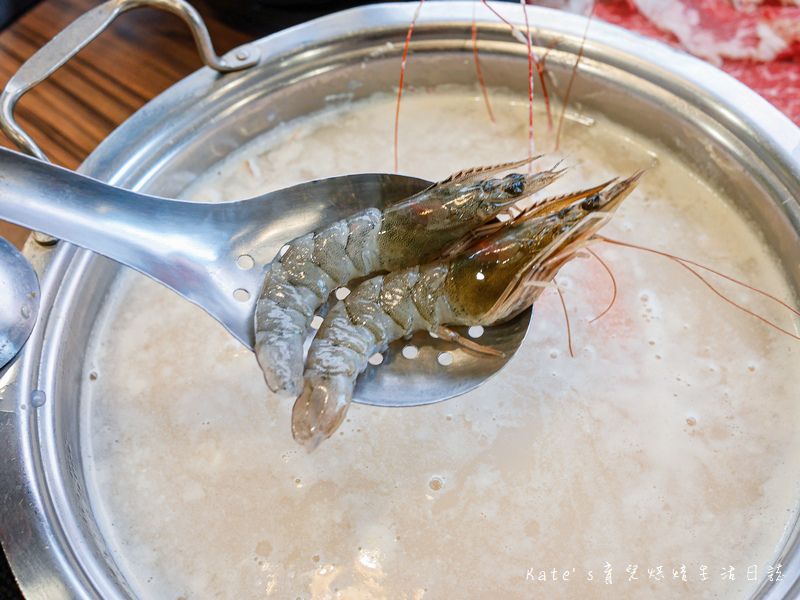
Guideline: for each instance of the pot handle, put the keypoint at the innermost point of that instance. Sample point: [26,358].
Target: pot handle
[83,30]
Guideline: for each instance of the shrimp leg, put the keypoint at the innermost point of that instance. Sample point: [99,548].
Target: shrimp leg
[452,336]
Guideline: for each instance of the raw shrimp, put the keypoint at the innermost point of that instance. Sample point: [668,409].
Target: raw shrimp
[411,232]
[491,281]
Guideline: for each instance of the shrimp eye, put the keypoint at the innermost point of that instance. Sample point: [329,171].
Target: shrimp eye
[515,185]
[591,203]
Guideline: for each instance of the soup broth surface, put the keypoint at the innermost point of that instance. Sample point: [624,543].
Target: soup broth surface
[660,461]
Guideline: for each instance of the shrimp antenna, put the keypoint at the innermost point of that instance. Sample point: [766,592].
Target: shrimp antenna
[402,76]
[532,61]
[685,264]
[729,301]
[572,77]
[529,44]
[566,316]
[541,68]
[613,281]
[478,66]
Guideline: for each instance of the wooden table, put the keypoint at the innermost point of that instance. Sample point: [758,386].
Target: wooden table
[139,56]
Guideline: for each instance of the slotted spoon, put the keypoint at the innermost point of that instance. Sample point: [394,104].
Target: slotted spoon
[216,256]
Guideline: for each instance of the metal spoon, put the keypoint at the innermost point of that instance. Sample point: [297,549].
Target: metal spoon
[216,255]
[19,301]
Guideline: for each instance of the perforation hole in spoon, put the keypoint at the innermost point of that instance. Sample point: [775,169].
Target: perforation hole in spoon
[245,262]
[475,331]
[445,359]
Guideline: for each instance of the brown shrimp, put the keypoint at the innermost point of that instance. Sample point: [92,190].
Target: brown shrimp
[491,281]
[411,232]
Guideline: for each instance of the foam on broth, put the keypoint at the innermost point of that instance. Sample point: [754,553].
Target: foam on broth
[668,441]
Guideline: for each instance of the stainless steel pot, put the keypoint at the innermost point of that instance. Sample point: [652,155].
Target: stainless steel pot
[735,139]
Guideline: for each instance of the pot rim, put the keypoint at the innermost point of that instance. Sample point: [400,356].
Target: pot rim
[50,561]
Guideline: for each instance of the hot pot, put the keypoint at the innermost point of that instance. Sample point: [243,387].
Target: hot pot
[734,138]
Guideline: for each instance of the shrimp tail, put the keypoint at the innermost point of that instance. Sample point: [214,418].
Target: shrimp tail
[321,408]
[356,328]
[275,354]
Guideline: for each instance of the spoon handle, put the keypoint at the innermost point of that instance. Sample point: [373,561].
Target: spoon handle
[186,246]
